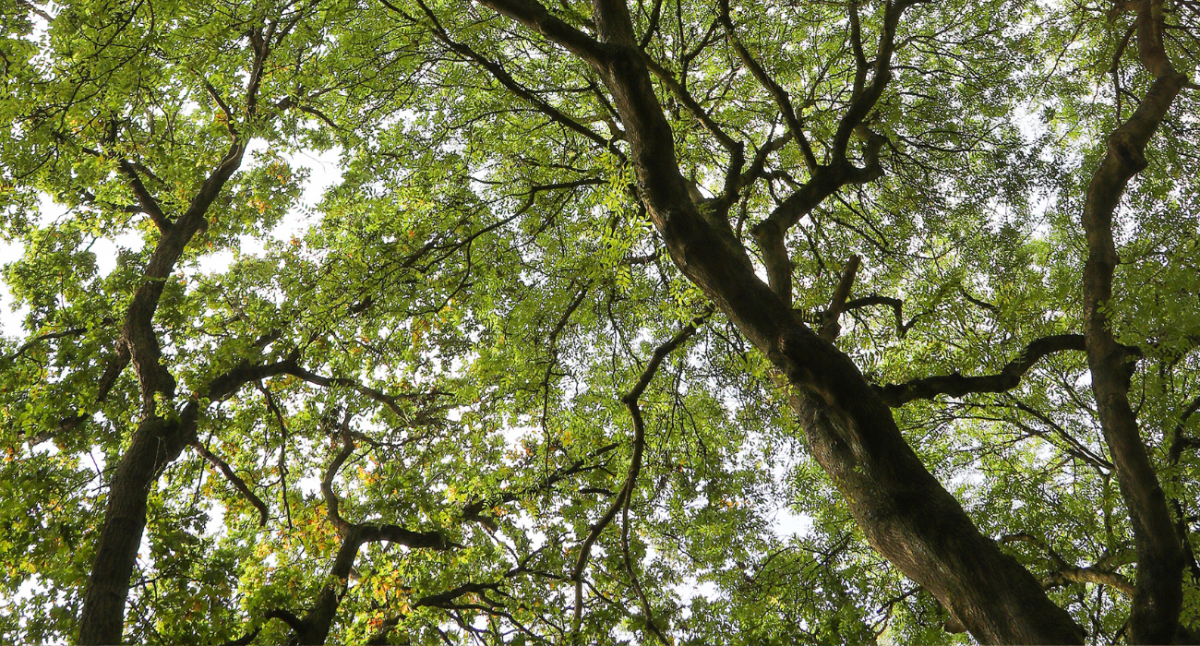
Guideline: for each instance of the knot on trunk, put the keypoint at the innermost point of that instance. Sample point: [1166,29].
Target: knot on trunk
[1120,147]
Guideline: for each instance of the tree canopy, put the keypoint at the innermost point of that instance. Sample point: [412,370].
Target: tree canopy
[758,322]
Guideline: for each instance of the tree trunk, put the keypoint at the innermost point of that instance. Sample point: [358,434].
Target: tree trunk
[156,443]
[905,513]
[1158,596]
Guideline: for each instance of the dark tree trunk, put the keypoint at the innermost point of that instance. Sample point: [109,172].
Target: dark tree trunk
[1158,596]
[156,443]
[906,514]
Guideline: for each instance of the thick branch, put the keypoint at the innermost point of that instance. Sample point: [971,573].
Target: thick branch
[956,385]
[533,15]
[156,443]
[829,326]
[1158,598]
[149,204]
[314,627]
[1089,575]
[234,480]
[903,510]
[1062,572]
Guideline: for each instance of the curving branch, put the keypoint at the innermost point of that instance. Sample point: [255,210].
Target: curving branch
[1089,575]
[160,436]
[331,500]
[1063,573]
[443,600]
[956,385]
[314,627]
[758,164]
[896,304]
[647,612]
[635,465]
[157,442]
[826,180]
[49,336]
[906,514]
[865,96]
[1154,615]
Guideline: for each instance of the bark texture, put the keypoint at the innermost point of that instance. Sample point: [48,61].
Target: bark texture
[157,441]
[1158,593]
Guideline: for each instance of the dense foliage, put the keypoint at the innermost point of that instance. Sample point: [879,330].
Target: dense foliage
[509,365]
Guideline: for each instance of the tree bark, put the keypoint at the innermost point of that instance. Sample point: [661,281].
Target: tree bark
[156,443]
[1158,596]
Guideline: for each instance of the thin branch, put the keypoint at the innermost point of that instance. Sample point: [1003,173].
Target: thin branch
[500,74]
[283,438]
[780,95]
[635,461]
[391,401]
[237,482]
[75,331]
[1077,448]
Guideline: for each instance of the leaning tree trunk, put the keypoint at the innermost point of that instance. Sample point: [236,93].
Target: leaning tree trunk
[905,513]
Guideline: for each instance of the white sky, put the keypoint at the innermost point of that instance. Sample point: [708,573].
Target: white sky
[324,172]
